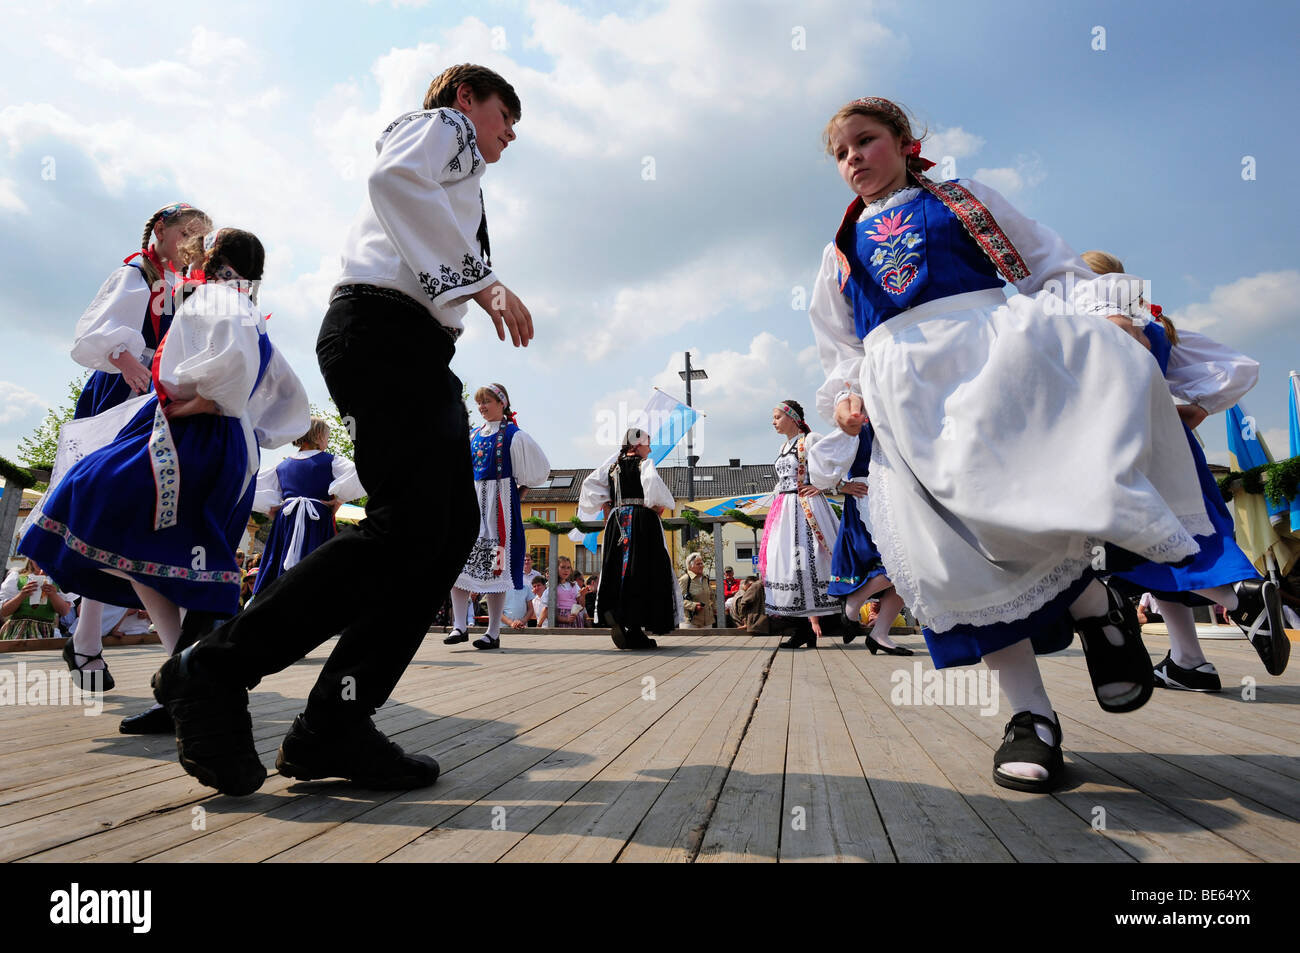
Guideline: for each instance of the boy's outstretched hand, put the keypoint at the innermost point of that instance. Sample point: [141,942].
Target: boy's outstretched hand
[850,415]
[506,311]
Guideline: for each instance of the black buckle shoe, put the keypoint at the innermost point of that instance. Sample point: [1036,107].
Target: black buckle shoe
[456,637]
[360,754]
[1127,662]
[100,679]
[155,721]
[486,642]
[214,733]
[1259,616]
[1021,743]
[1170,675]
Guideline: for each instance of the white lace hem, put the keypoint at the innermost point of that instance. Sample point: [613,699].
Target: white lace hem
[1179,545]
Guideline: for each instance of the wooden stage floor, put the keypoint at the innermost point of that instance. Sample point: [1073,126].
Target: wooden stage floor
[715,748]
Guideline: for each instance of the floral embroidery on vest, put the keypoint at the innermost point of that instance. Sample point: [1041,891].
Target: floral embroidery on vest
[895,256]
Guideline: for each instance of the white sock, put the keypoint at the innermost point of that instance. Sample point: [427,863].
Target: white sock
[1184,646]
[1022,683]
[855,600]
[890,604]
[460,609]
[1223,595]
[1093,602]
[89,637]
[496,601]
[165,615]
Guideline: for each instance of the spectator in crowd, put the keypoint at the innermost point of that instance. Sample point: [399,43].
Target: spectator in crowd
[589,596]
[750,610]
[30,605]
[539,600]
[569,612]
[529,572]
[730,589]
[517,611]
[697,594]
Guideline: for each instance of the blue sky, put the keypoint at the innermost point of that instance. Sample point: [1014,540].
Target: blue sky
[266,115]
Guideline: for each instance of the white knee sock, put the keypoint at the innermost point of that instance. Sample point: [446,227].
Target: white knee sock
[460,609]
[1184,646]
[89,637]
[1223,595]
[496,601]
[858,598]
[164,614]
[890,604]
[1022,683]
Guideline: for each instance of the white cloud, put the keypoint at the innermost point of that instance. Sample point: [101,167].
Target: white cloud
[955,142]
[10,201]
[1247,307]
[1012,180]
[17,402]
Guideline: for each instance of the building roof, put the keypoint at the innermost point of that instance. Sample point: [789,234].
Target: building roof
[710,482]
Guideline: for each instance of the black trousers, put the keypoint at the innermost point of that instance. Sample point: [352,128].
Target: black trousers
[386,365]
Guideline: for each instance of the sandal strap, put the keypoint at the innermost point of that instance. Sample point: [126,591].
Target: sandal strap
[89,658]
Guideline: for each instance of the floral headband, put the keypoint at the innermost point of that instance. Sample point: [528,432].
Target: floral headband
[500,394]
[791,413]
[171,211]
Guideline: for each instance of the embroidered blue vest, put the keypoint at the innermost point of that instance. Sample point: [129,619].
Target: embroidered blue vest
[491,452]
[1160,346]
[910,254]
[310,477]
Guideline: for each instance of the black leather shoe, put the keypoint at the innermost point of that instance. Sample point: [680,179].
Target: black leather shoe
[1126,662]
[1259,616]
[638,641]
[487,643]
[155,721]
[214,733]
[801,637]
[1022,744]
[852,627]
[456,637]
[100,680]
[360,754]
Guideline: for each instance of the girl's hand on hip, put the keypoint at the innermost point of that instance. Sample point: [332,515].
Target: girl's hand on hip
[188,408]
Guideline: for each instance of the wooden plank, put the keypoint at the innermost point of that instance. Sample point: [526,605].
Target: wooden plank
[908,751]
[527,801]
[159,830]
[542,730]
[746,824]
[828,812]
[672,830]
[597,823]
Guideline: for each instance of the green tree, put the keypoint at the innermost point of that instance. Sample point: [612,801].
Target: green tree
[40,448]
[340,444]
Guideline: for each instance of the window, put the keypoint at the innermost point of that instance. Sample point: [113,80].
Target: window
[585,561]
[548,515]
[541,557]
[744,552]
[561,481]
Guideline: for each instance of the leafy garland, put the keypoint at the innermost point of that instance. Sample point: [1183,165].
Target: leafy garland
[753,522]
[1278,482]
[537,521]
[15,475]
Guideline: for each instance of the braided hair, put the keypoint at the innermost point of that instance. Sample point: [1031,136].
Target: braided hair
[178,213]
[798,417]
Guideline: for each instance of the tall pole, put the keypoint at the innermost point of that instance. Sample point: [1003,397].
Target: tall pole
[690,445]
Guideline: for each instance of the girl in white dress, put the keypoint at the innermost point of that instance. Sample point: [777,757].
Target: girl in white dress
[116,338]
[506,462]
[152,513]
[794,558]
[1021,445]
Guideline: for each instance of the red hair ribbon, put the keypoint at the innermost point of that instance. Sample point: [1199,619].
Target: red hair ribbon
[915,153]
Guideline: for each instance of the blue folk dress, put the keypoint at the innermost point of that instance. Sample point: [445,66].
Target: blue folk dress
[302,487]
[165,503]
[1014,440]
[1220,560]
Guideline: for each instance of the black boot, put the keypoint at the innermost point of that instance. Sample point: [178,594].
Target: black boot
[360,753]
